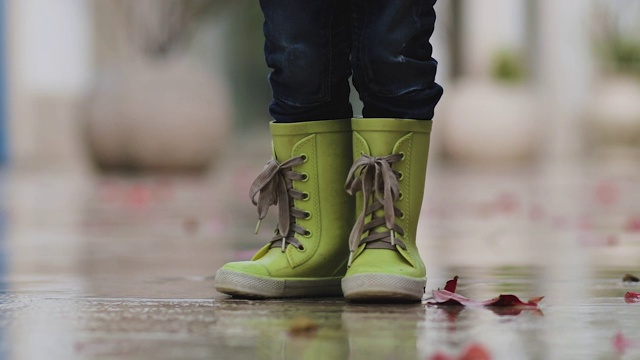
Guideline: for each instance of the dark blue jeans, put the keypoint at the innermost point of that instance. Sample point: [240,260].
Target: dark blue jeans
[313,47]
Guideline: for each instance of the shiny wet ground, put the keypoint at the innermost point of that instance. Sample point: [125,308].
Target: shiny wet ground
[121,267]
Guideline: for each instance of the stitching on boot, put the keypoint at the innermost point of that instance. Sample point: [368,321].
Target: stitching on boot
[312,162]
[408,140]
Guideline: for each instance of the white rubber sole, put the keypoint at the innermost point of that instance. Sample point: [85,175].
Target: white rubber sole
[243,285]
[383,287]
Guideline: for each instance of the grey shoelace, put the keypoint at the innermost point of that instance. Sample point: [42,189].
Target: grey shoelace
[378,182]
[274,186]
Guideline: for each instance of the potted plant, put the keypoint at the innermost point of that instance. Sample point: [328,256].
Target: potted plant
[613,114]
[490,119]
[153,105]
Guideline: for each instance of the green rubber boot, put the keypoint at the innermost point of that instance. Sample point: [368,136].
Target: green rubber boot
[308,254]
[390,161]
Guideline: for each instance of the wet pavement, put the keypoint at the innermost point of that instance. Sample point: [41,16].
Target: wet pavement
[121,267]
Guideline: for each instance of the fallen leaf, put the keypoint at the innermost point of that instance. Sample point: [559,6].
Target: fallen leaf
[302,326]
[512,300]
[440,356]
[451,284]
[474,351]
[448,296]
[632,297]
[630,278]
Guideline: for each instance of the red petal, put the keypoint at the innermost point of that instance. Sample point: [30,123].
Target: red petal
[440,356]
[472,352]
[451,284]
[535,300]
[476,352]
[621,343]
[632,297]
[512,301]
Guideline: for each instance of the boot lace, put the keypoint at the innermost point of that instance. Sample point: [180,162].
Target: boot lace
[274,186]
[378,182]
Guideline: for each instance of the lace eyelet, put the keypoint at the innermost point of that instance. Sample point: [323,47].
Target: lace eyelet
[301,248]
[402,216]
[305,177]
[401,155]
[400,175]
[305,196]
[304,157]
[307,215]
[400,196]
[307,233]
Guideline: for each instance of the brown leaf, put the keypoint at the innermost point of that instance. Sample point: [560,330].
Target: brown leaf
[302,326]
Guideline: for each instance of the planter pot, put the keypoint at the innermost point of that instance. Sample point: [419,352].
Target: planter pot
[169,114]
[613,118]
[485,121]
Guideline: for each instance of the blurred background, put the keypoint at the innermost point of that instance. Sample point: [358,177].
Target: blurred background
[169,85]
[148,119]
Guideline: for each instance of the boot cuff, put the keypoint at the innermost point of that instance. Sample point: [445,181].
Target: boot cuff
[310,127]
[389,124]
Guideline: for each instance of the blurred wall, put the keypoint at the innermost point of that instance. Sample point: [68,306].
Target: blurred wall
[50,47]
[491,25]
[550,40]
[564,72]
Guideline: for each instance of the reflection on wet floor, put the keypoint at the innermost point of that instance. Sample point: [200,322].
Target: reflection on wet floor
[121,267]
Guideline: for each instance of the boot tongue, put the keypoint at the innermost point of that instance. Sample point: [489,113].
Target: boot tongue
[380,144]
[380,214]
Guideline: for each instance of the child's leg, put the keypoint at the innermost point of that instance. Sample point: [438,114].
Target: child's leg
[394,72]
[307,46]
